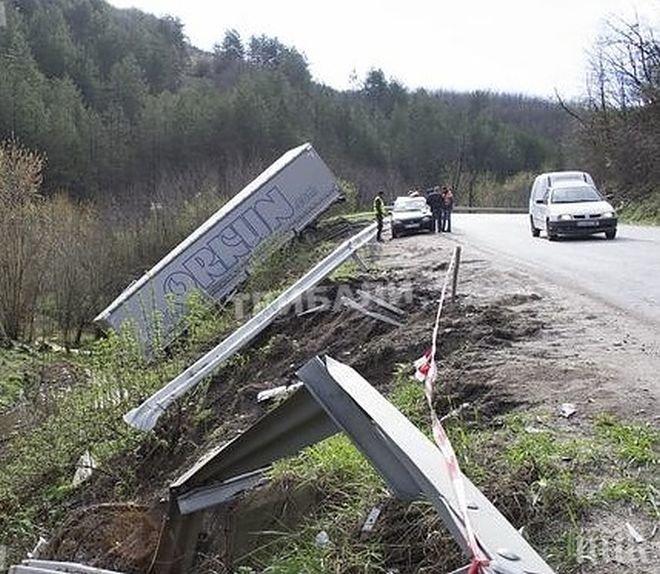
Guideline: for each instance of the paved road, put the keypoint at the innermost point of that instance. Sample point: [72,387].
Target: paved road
[624,273]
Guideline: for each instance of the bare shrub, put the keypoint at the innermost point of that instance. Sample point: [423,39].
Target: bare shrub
[511,192]
[78,254]
[23,247]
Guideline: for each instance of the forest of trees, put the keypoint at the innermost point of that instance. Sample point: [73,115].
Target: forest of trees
[118,99]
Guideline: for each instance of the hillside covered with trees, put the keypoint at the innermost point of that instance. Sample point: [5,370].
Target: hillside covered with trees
[118,99]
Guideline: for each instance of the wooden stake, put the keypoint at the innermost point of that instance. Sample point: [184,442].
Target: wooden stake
[454,283]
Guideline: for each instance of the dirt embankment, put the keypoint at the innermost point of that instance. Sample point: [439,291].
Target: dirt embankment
[503,349]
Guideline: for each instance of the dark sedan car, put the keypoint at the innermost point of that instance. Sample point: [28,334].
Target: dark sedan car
[410,215]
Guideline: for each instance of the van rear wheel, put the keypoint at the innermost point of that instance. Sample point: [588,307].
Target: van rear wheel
[535,232]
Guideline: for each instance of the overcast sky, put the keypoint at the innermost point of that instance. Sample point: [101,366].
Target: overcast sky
[526,46]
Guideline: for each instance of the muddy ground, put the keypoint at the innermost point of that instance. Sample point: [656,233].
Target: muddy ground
[509,344]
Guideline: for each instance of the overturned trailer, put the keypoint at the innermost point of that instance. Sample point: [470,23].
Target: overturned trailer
[214,259]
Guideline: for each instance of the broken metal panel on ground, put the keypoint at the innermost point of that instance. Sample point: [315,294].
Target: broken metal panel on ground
[145,416]
[335,397]
[208,496]
[296,423]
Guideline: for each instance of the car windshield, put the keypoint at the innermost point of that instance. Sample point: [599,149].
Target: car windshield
[575,194]
[409,204]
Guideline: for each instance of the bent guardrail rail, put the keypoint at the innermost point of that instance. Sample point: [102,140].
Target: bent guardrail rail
[337,398]
[145,416]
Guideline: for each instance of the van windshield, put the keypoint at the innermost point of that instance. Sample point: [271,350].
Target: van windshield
[575,194]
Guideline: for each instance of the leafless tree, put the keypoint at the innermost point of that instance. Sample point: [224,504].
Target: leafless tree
[619,123]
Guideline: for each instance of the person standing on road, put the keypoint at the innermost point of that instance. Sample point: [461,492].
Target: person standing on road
[434,201]
[379,212]
[447,208]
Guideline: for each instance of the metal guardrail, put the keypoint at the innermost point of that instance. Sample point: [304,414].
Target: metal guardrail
[336,398]
[467,209]
[33,566]
[145,416]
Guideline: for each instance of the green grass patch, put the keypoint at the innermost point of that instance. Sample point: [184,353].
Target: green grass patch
[634,444]
[645,212]
[632,490]
[332,464]
[347,271]
[16,369]
[299,552]
[407,395]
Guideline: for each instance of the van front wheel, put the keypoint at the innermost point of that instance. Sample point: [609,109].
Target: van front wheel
[610,234]
[535,232]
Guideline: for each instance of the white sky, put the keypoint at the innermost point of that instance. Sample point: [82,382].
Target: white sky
[526,46]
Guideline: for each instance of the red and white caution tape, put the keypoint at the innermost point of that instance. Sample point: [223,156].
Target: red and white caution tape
[426,371]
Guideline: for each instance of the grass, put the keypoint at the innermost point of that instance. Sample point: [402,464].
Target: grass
[17,369]
[635,444]
[631,490]
[335,467]
[645,212]
[38,466]
[347,271]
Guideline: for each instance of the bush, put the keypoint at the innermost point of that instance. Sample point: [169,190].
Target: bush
[23,250]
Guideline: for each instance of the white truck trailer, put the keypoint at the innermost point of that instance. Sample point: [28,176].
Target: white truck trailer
[214,259]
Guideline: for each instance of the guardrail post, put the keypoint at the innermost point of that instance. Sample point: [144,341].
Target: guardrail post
[454,283]
[360,262]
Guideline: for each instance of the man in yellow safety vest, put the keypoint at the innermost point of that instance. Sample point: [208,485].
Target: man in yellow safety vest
[379,212]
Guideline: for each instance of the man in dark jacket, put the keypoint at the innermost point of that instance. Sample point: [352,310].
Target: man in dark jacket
[434,201]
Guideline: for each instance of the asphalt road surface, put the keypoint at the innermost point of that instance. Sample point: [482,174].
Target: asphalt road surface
[624,273]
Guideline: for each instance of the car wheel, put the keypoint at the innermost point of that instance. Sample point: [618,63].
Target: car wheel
[610,234]
[535,232]
[551,236]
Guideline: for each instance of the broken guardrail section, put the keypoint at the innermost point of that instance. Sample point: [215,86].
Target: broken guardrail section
[32,566]
[214,259]
[336,398]
[145,416]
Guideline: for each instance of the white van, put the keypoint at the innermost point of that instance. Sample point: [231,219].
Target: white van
[568,203]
